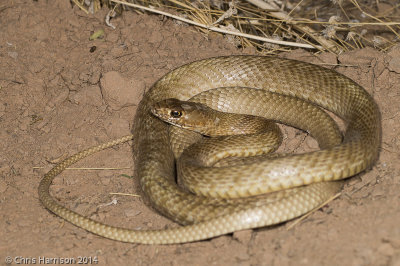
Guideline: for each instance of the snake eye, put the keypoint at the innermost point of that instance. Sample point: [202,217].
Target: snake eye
[176,114]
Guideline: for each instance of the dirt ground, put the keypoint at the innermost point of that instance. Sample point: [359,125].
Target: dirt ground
[57,96]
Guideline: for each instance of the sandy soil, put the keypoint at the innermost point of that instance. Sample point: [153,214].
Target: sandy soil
[57,96]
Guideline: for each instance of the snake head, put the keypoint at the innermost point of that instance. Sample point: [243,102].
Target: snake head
[184,114]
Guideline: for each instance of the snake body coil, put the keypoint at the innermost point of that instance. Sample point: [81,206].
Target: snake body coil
[295,183]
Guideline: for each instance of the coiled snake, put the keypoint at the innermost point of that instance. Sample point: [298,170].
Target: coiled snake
[294,183]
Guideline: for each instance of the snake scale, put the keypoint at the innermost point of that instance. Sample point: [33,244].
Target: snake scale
[295,183]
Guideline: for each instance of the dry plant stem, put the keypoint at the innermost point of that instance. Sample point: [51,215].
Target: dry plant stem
[355,3]
[288,15]
[260,21]
[216,29]
[302,218]
[327,44]
[124,194]
[304,35]
[183,5]
[87,168]
[76,2]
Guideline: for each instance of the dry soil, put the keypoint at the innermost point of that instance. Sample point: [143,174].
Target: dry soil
[57,96]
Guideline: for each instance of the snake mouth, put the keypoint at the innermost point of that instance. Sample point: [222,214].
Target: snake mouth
[154,111]
[157,112]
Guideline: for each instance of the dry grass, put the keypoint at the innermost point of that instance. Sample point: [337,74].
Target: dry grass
[276,25]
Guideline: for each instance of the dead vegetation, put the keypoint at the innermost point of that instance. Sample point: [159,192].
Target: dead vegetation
[277,25]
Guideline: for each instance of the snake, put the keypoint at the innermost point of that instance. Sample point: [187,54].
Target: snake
[256,194]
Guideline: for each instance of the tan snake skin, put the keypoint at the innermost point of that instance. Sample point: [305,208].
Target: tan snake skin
[307,179]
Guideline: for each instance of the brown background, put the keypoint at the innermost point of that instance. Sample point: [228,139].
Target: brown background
[51,106]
